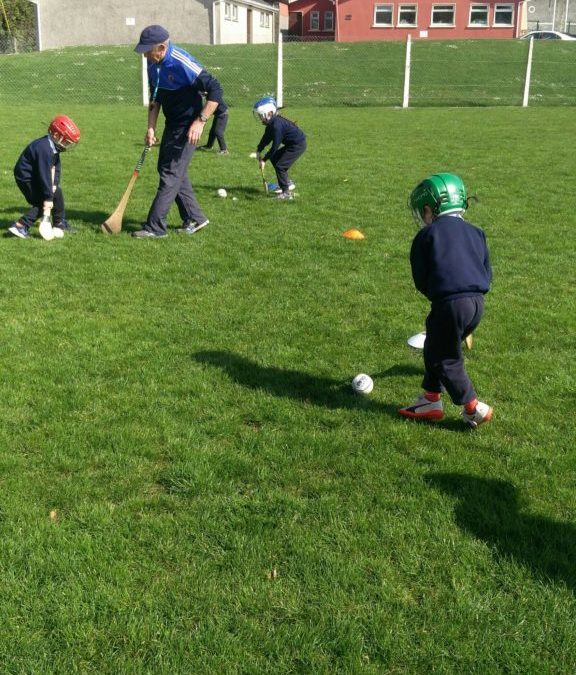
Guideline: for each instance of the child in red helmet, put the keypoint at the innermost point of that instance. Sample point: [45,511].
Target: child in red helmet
[37,174]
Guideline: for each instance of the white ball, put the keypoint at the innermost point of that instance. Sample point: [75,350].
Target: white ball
[57,232]
[253,155]
[222,192]
[362,384]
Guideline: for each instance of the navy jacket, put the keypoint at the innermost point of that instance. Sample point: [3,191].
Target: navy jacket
[178,83]
[450,259]
[280,130]
[35,164]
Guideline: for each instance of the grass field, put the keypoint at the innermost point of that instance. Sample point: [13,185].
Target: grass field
[188,484]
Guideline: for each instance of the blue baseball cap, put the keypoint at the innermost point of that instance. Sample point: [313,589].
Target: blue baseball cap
[150,37]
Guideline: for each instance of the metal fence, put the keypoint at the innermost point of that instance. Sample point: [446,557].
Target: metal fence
[442,73]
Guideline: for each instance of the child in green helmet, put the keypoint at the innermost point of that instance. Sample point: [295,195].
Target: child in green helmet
[451,267]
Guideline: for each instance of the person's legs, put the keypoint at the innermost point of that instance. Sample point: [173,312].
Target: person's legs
[446,326]
[174,186]
[219,127]
[211,136]
[283,159]
[58,210]
[35,200]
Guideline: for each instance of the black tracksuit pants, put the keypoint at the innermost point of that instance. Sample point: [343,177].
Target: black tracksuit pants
[35,198]
[217,131]
[448,323]
[283,159]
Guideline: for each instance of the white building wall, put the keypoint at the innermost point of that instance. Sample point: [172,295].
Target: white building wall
[231,21]
[262,33]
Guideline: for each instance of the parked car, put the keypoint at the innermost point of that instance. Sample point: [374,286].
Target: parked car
[547,35]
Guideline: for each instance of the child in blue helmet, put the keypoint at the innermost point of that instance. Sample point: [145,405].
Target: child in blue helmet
[451,267]
[287,139]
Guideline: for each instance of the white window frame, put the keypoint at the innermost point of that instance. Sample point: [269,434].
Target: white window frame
[501,7]
[379,7]
[329,21]
[230,11]
[264,19]
[443,7]
[412,7]
[478,7]
[314,20]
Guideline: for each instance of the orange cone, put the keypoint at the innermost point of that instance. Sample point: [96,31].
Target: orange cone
[353,234]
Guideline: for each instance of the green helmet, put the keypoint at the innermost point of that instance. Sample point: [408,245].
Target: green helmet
[442,192]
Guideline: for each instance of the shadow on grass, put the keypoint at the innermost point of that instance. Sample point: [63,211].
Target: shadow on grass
[321,391]
[93,218]
[490,510]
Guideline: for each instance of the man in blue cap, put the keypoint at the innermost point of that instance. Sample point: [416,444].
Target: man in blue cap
[177,85]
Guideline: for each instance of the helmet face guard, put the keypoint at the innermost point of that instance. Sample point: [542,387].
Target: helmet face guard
[265,108]
[442,193]
[64,132]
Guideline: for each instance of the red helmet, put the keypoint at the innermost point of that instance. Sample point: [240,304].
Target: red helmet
[64,132]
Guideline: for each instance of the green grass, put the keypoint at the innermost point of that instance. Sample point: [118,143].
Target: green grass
[444,73]
[223,502]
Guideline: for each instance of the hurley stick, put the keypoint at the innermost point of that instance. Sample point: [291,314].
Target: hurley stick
[113,225]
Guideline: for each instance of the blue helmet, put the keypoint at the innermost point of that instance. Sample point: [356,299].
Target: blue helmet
[265,108]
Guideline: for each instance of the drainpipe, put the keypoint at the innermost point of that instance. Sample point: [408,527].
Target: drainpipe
[216,27]
[336,24]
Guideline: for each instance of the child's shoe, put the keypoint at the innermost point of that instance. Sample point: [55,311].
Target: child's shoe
[482,413]
[19,230]
[277,189]
[223,152]
[423,409]
[285,195]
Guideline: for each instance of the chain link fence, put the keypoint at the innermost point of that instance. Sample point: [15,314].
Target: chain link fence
[443,73]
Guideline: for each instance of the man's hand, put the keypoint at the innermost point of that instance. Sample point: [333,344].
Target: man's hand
[195,131]
[150,137]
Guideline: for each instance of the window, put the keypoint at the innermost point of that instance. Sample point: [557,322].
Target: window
[264,20]
[503,15]
[383,15]
[230,11]
[314,20]
[407,15]
[478,15]
[442,15]
[328,20]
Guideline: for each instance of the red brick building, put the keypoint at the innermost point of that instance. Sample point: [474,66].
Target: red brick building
[363,20]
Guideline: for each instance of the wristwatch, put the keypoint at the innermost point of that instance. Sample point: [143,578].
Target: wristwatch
[203,118]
